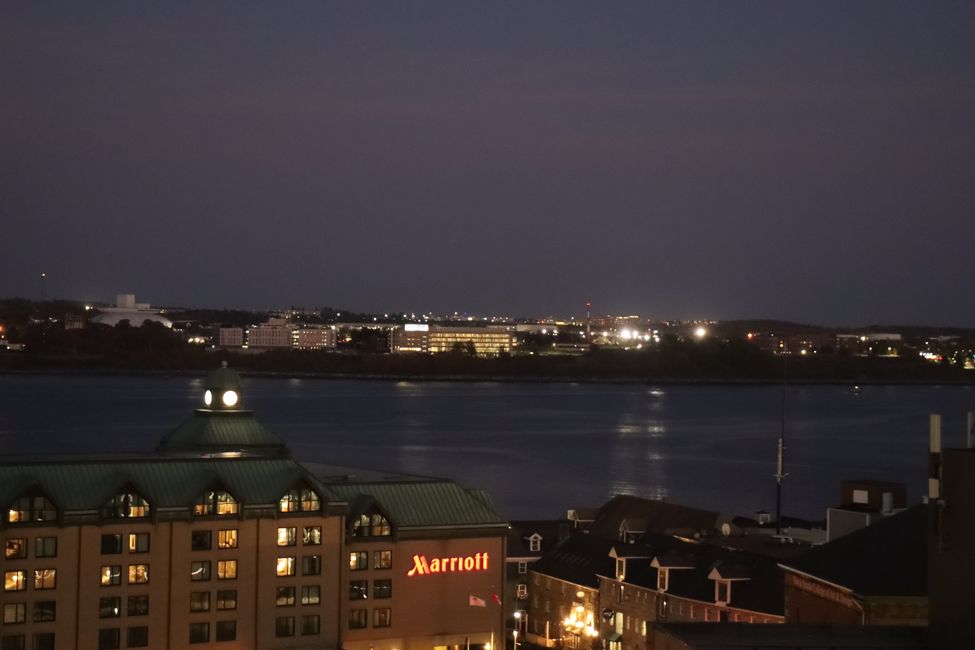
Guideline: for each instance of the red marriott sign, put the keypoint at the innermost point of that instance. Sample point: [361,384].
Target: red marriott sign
[422,567]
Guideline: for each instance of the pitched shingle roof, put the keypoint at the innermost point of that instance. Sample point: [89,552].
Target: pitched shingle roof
[888,558]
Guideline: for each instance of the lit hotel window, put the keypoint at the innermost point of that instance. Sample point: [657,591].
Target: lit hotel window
[286,536]
[285,566]
[111,575]
[382,560]
[45,579]
[127,505]
[14,549]
[138,574]
[374,525]
[216,502]
[300,500]
[312,535]
[227,538]
[358,561]
[227,570]
[31,508]
[138,542]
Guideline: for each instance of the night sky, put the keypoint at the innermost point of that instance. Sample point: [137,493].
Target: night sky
[808,161]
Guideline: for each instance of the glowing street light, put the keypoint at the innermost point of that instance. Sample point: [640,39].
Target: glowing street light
[701,332]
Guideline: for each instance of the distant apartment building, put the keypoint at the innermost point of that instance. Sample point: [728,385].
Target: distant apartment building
[276,333]
[417,337]
[228,337]
[313,338]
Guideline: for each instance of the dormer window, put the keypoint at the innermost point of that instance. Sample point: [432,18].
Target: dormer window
[33,507]
[300,500]
[374,525]
[620,568]
[663,579]
[535,543]
[722,592]
[127,505]
[219,502]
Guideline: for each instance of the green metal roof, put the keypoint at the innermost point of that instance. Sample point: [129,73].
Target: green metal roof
[209,430]
[79,486]
[424,503]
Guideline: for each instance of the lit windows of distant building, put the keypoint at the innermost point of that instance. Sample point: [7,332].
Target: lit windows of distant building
[127,505]
[374,525]
[216,502]
[300,500]
[32,507]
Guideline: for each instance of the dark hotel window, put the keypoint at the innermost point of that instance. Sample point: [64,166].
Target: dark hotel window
[199,632]
[358,618]
[137,637]
[358,590]
[382,589]
[44,611]
[284,626]
[226,630]
[200,540]
[310,625]
[111,544]
[108,639]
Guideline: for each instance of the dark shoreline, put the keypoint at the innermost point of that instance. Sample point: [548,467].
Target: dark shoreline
[511,379]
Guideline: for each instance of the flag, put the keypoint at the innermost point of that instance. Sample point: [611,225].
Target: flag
[496,598]
[476,602]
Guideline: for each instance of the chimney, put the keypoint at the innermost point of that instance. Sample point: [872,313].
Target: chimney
[888,503]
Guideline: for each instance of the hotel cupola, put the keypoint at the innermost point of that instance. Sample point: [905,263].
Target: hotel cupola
[221,427]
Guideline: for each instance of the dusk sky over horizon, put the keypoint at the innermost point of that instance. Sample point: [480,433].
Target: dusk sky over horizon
[802,161]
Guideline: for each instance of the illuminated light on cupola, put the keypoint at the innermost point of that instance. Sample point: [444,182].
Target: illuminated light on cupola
[222,390]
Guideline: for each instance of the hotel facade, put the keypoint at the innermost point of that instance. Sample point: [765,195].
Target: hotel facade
[222,539]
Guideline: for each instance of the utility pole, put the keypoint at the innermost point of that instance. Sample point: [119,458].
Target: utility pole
[43,279]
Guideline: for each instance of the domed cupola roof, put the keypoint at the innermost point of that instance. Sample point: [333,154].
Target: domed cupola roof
[221,427]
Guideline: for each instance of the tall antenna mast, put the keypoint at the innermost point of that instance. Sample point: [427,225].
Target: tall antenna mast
[588,321]
[780,458]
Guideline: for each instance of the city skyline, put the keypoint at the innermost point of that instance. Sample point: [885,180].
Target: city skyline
[802,163]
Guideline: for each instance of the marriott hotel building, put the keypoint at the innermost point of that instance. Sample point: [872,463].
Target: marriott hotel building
[222,539]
